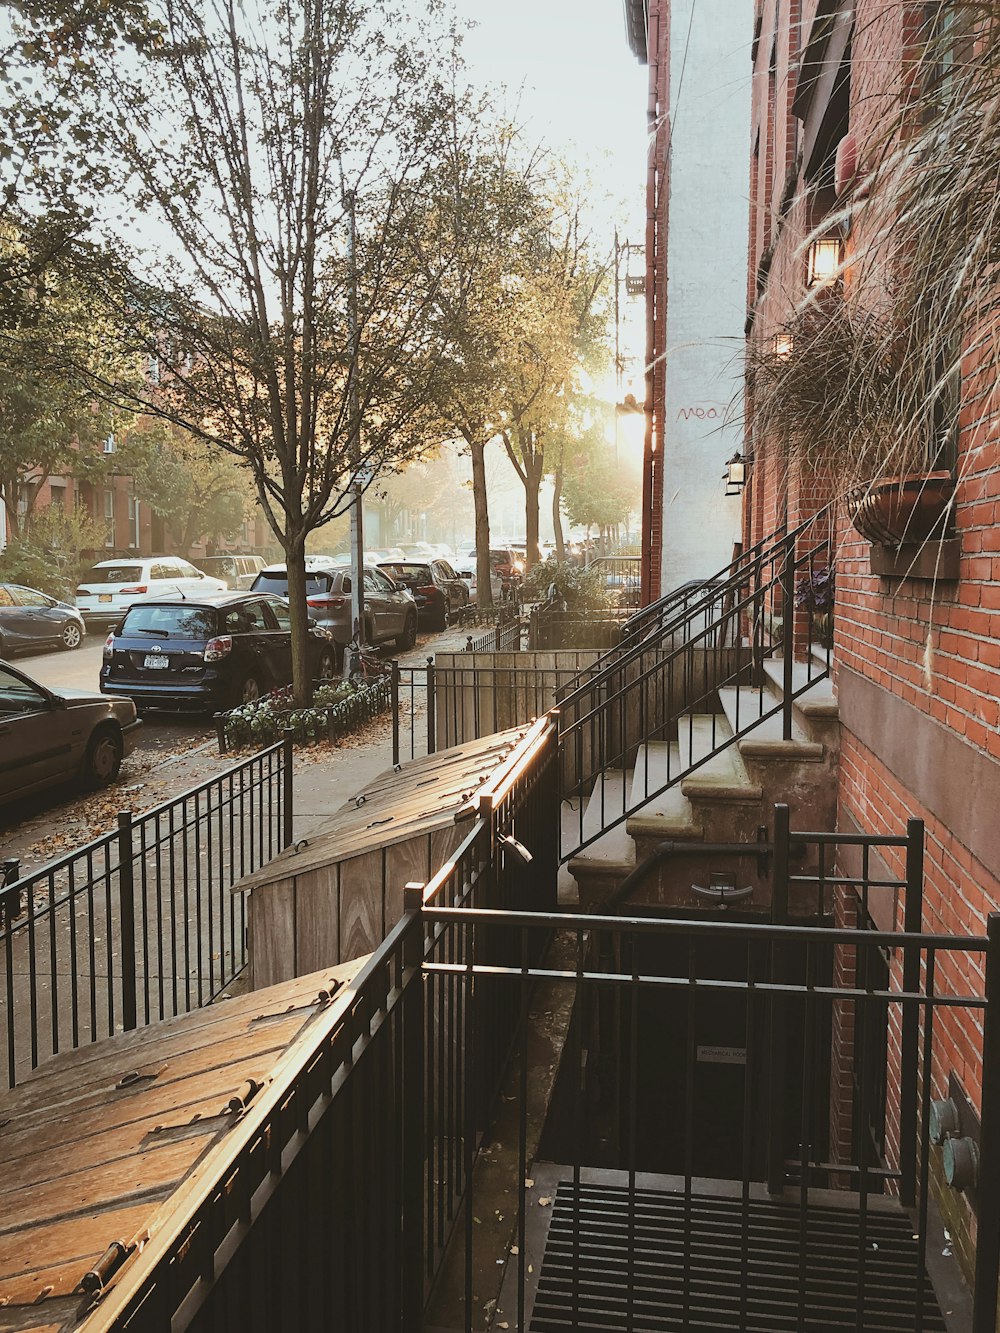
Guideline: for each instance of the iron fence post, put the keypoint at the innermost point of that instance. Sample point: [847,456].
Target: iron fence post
[776,1098]
[413,1110]
[394,687]
[987,1272]
[11,904]
[431,721]
[287,752]
[126,898]
[787,638]
[909,1037]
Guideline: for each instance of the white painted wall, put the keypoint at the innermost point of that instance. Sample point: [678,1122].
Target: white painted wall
[707,247]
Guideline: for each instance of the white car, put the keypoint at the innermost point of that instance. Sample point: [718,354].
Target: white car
[109,588]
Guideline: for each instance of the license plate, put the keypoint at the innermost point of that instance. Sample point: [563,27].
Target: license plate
[157,663]
[104,597]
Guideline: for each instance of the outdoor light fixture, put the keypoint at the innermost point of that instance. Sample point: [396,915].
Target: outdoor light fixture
[824,261]
[735,475]
[782,345]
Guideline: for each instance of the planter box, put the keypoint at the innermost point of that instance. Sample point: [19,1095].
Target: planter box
[896,510]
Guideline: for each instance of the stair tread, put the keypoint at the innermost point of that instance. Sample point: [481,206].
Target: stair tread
[650,772]
[749,706]
[820,692]
[607,800]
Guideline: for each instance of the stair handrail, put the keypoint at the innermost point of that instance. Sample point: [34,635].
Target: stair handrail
[590,676]
[748,591]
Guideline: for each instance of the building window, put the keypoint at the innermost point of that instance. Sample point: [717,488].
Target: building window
[109,518]
[133,521]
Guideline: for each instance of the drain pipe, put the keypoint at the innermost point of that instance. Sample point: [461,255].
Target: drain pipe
[761,850]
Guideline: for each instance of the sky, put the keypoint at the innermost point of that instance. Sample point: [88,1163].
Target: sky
[580,86]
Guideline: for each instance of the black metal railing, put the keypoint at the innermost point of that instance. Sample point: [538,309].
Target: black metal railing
[395,1176]
[550,628]
[140,923]
[658,705]
[504,635]
[622,577]
[350,1169]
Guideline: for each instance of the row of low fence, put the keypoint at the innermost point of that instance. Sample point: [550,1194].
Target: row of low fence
[139,924]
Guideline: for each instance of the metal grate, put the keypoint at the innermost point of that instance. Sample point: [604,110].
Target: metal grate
[715,1263]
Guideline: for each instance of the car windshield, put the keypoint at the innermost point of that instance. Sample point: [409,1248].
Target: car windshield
[113,574]
[170,622]
[17,696]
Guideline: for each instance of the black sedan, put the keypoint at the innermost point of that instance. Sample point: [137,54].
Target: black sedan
[33,619]
[51,736]
[207,654]
[436,588]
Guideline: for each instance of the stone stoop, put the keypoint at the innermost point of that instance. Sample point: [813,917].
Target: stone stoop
[727,798]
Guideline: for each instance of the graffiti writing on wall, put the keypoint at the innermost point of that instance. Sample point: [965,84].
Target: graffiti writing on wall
[700,412]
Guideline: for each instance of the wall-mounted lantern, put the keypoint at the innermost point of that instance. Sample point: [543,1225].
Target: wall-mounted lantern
[824,261]
[782,346]
[735,475]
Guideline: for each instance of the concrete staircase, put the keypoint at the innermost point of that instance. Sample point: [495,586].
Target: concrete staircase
[721,793]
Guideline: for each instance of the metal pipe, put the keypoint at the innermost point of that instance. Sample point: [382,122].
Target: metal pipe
[761,850]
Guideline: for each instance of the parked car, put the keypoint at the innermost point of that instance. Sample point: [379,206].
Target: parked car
[436,588]
[237,572]
[51,736]
[112,586]
[390,612]
[208,653]
[33,619]
[505,567]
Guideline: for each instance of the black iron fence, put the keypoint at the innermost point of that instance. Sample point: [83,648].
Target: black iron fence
[550,628]
[504,637]
[395,1174]
[138,924]
[264,720]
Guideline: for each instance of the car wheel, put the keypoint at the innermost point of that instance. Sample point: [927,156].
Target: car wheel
[444,616]
[249,691]
[103,759]
[72,635]
[326,668]
[408,637]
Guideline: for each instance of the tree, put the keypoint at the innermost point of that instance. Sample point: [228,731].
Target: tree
[50,422]
[599,490]
[484,198]
[557,327]
[196,490]
[282,152]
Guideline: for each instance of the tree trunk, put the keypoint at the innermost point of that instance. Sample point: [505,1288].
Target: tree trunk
[557,528]
[295,559]
[484,570]
[532,484]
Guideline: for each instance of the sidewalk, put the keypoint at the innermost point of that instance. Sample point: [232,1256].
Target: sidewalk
[324,778]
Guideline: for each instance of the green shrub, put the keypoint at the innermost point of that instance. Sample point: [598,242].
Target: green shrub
[580,589]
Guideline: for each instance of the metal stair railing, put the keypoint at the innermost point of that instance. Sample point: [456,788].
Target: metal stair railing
[653,691]
[674,609]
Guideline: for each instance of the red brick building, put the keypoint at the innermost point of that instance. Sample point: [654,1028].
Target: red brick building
[917,614]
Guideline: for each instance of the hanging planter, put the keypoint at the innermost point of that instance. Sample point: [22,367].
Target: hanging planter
[911,508]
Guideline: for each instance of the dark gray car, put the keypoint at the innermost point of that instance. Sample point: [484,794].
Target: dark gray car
[33,619]
[52,736]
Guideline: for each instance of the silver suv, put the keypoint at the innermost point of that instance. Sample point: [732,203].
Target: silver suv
[390,612]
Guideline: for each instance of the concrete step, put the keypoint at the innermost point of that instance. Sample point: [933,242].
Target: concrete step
[669,814]
[764,738]
[607,802]
[723,777]
[816,700]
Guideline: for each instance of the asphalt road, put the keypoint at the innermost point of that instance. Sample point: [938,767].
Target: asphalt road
[80,668]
